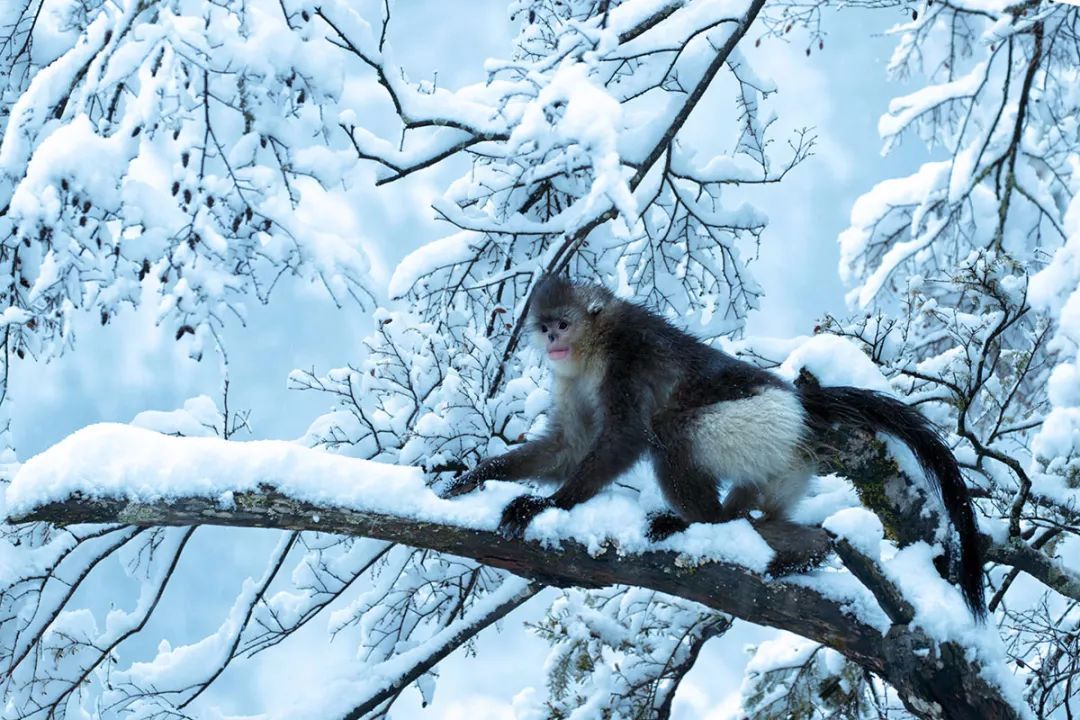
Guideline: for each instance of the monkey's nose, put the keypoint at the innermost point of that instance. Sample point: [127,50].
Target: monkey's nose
[552,336]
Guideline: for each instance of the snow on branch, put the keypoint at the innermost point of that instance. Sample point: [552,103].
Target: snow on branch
[121,474]
[575,163]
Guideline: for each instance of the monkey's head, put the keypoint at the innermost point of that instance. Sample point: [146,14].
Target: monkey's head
[563,316]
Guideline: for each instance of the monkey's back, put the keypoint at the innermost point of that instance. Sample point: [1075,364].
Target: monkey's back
[648,355]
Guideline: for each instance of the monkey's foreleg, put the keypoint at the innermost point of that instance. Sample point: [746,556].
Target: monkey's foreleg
[614,452]
[464,483]
[533,459]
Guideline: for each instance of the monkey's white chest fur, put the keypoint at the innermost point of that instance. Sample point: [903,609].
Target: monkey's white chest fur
[756,440]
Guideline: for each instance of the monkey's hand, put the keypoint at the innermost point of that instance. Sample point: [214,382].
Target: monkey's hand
[464,483]
[519,513]
[663,525]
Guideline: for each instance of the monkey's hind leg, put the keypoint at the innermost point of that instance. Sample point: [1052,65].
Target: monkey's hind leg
[740,500]
[691,493]
[663,525]
[797,547]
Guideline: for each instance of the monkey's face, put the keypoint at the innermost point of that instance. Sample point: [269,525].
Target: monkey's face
[564,317]
[559,334]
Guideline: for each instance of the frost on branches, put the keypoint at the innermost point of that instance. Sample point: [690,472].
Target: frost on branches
[157,151]
[968,270]
[218,138]
[575,161]
[621,651]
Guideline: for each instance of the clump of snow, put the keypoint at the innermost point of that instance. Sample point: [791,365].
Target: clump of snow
[845,589]
[860,527]
[574,110]
[429,257]
[110,460]
[905,110]
[1063,387]
[227,501]
[866,222]
[338,695]
[834,360]
[614,519]
[828,495]
[1056,289]
[200,417]
[186,665]
[14,316]
[787,650]
[97,165]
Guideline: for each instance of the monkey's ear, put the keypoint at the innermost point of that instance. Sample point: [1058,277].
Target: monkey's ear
[595,298]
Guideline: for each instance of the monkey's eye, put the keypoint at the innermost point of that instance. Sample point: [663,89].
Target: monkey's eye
[563,325]
[543,328]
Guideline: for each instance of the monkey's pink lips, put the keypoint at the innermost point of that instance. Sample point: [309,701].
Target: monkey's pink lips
[558,353]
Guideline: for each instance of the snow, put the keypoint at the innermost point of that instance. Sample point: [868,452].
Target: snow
[308,207]
[112,460]
[845,590]
[573,109]
[447,251]
[941,613]
[31,112]
[869,211]
[187,665]
[719,168]
[338,695]
[904,110]
[94,169]
[199,417]
[893,258]
[14,316]
[860,527]
[616,520]
[120,461]
[1056,289]
[829,494]
[834,361]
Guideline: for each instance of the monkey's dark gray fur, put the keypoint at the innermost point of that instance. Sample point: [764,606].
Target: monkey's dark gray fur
[628,383]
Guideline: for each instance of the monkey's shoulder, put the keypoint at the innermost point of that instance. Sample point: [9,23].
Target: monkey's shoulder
[633,335]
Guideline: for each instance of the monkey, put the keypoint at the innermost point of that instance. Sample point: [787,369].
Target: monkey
[629,384]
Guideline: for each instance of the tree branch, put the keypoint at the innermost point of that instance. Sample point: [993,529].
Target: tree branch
[446,642]
[935,680]
[1037,564]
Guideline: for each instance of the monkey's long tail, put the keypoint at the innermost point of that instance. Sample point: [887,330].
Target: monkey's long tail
[875,411]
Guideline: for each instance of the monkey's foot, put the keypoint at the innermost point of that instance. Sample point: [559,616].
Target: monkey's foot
[663,525]
[519,513]
[798,547]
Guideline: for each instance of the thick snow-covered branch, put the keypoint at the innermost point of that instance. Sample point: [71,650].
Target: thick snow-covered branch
[120,474]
